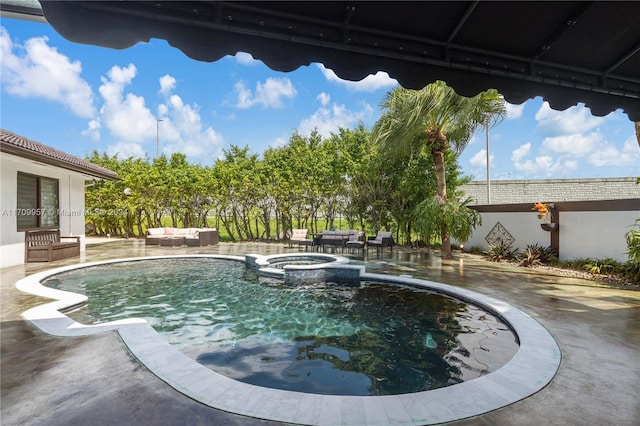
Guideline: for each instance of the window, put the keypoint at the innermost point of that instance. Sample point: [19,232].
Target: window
[37,202]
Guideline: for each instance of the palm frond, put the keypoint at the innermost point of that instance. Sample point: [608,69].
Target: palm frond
[408,114]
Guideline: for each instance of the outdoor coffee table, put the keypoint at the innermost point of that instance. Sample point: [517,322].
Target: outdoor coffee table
[171,241]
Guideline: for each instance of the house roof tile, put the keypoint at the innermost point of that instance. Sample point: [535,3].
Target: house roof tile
[11,143]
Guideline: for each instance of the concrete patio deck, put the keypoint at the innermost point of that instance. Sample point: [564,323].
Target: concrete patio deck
[50,380]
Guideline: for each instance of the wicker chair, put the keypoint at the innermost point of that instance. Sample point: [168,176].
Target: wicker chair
[300,236]
[356,241]
[380,241]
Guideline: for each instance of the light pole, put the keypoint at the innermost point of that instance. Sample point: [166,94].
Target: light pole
[486,129]
[127,193]
[158,137]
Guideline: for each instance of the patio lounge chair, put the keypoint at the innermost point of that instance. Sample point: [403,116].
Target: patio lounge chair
[380,241]
[355,241]
[300,236]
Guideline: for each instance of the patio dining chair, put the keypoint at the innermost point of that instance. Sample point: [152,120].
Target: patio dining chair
[380,241]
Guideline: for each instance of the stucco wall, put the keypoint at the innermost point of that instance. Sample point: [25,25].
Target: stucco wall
[596,234]
[71,203]
[592,234]
[553,190]
[523,227]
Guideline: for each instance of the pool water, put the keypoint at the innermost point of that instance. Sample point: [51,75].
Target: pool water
[374,339]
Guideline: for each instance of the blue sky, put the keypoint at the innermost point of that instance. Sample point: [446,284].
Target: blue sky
[80,98]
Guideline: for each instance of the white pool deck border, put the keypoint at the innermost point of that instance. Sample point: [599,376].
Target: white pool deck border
[532,367]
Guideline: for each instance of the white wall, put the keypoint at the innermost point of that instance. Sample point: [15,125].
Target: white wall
[71,192]
[524,227]
[595,234]
[592,234]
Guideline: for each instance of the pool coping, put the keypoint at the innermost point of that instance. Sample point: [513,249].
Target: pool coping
[532,367]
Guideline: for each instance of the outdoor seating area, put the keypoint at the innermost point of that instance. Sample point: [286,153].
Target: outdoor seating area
[47,246]
[349,239]
[175,237]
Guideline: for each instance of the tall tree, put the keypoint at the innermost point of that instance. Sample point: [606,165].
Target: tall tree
[435,119]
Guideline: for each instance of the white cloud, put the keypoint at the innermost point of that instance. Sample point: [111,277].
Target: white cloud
[278,142]
[167,84]
[327,120]
[608,155]
[534,167]
[480,159]
[514,111]
[163,110]
[576,119]
[270,94]
[244,58]
[126,150]
[573,134]
[577,145]
[631,146]
[202,146]
[324,98]
[370,83]
[520,152]
[181,130]
[126,116]
[542,166]
[183,115]
[545,166]
[93,130]
[37,70]
[244,95]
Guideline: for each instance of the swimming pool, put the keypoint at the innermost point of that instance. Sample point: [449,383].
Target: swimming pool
[527,372]
[327,338]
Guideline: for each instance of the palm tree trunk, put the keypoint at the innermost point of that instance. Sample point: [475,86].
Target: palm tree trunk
[441,180]
[438,159]
[445,250]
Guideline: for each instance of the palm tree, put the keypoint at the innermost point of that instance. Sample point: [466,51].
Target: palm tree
[435,118]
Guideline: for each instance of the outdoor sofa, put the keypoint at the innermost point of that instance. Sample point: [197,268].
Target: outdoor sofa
[173,237]
[340,238]
[48,245]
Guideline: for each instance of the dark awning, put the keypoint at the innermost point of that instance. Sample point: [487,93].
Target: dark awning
[565,52]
